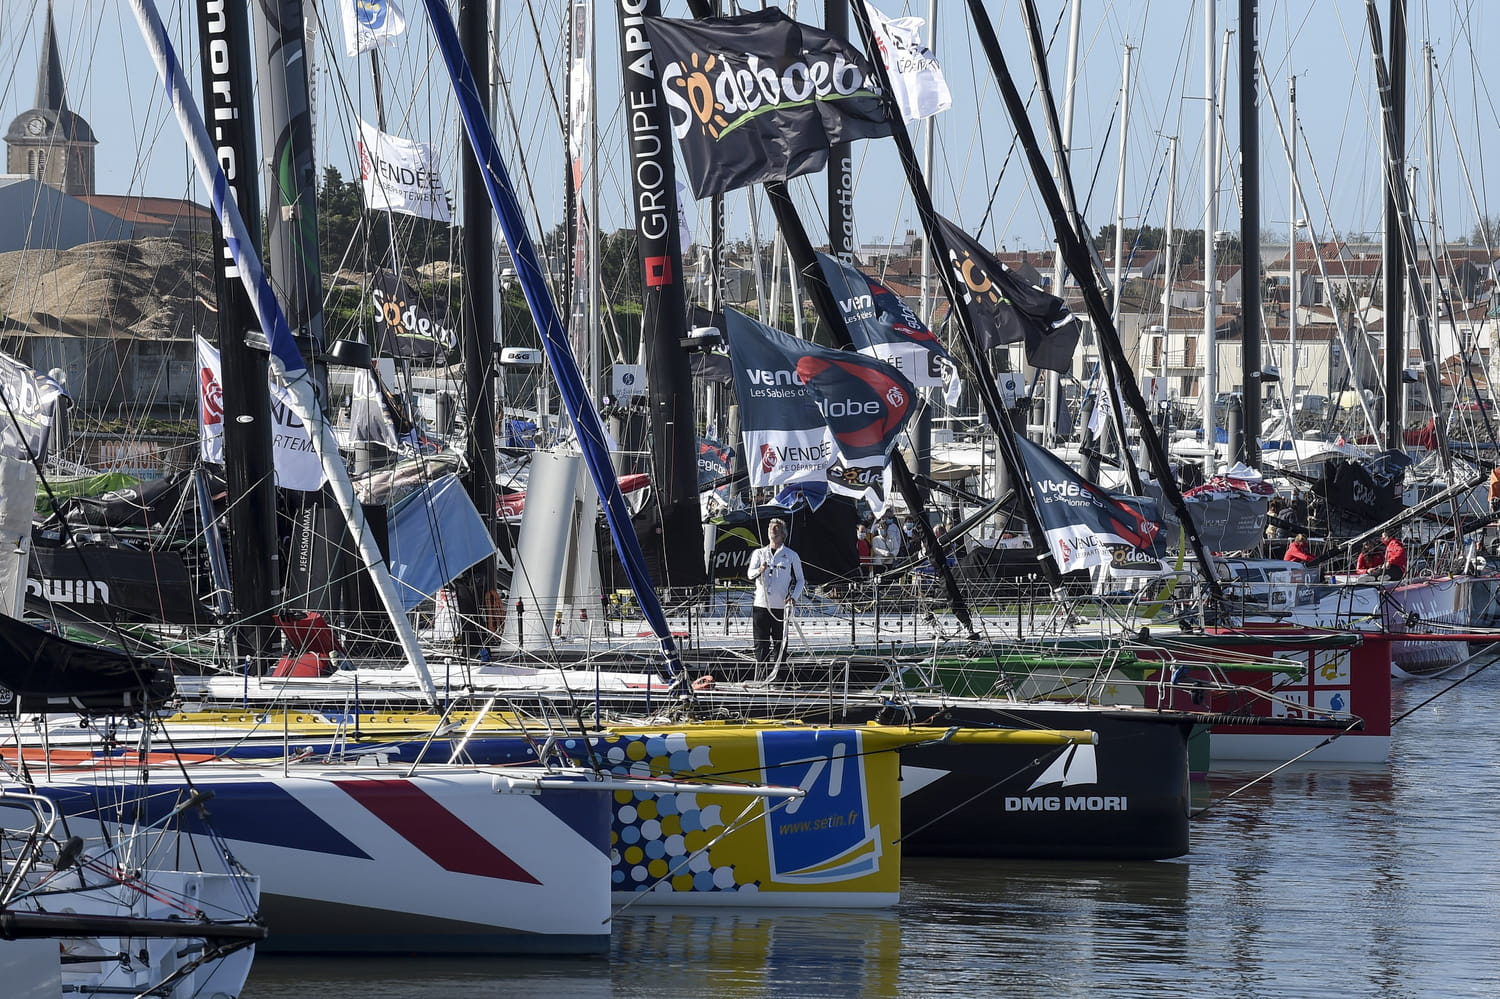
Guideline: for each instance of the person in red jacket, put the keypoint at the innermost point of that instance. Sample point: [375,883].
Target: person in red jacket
[1298,551]
[1371,558]
[1395,556]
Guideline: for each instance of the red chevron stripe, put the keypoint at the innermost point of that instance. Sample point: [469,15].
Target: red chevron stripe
[426,824]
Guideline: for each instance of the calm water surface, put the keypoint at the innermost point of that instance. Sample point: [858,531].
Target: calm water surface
[1380,881]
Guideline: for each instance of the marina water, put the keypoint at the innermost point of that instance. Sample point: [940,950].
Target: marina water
[1319,881]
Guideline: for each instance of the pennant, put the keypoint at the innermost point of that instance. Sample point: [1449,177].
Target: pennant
[760,97]
[917,80]
[1005,309]
[1086,526]
[883,326]
[809,413]
[296,463]
[404,326]
[399,175]
[370,24]
[31,406]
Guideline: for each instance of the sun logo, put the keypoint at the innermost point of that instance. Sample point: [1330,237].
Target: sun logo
[976,280]
[700,94]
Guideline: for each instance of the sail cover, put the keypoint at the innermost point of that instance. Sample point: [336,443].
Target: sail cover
[760,97]
[51,674]
[1084,524]
[811,413]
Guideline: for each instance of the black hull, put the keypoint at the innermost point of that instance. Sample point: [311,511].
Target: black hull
[980,801]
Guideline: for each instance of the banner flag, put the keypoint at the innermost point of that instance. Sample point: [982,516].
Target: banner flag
[883,326]
[760,97]
[32,400]
[371,23]
[297,465]
[1006,309]
[1086,525]
[917,80]
[404,326]
[810,413]
[399,175]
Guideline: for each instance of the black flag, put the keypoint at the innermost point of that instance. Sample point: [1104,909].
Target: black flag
[760,97]
[405,326]
[1005,309]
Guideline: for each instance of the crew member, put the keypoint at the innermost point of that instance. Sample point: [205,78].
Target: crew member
[1395,556]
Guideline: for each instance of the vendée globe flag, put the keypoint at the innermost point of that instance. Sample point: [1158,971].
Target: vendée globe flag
[813,414]
[882,325]
[1005,309]
[1085,525]
[760,97]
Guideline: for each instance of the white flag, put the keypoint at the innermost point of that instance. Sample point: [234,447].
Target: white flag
[400,175]
[297,465]
[371,23]
[916,78]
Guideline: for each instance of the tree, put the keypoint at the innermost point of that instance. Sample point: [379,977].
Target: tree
[1486,232]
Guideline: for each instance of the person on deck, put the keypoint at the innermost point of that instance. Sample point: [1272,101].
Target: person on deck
[1371,559]
[1298,551]
[862,546]
[777,572]
[1395,556]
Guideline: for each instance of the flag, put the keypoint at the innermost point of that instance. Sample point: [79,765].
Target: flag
[297,465]
[883,326]
[760,97]
[371,23]
[404,326]
[916,78]
[1005,309]
[809,413]
[399,175]
[368,419]
[31,405]
[1086,526]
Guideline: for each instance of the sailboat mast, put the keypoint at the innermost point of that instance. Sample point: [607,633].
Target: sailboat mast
[1209,387]
[1250,322]
[476,588]
[291,174]
[1290,369]
[677,550]
[1392,250]
[224,31]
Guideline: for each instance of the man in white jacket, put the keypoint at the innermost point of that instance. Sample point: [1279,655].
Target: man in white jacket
[777,572]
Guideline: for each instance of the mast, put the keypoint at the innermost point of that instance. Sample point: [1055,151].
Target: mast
[1392,251]
[677,551]
[1293,225]
[1062,139]
[1077,257]
[224,31]
[1250,322]
[1209,386]
[291,174]
[476,587]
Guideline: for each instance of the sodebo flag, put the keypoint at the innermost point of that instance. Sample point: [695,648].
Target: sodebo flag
[400,175]
[810,413]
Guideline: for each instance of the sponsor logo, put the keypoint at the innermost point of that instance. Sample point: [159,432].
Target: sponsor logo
[409,320]
[883,418]
[719,92]
[212,395]
[978,285]
[772,456]
[69,591]
[1071,803]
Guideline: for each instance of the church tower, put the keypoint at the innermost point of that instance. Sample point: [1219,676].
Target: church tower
[50,143]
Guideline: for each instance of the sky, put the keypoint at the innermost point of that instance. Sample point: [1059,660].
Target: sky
[979,177]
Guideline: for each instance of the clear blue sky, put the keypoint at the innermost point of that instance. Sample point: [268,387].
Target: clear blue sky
[1323,42]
